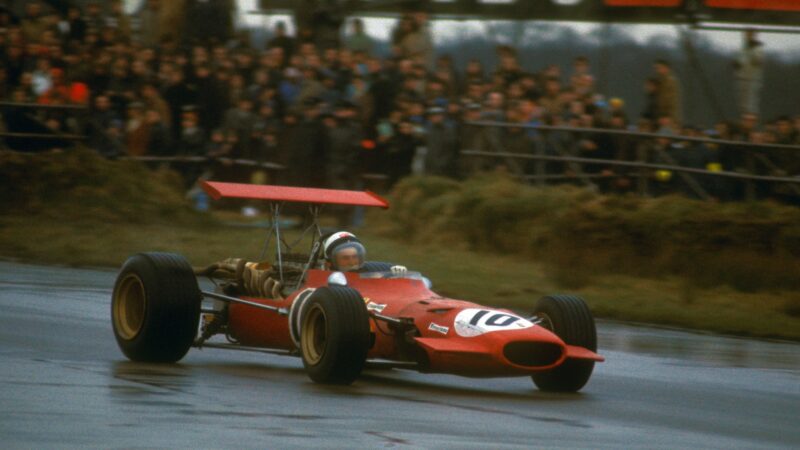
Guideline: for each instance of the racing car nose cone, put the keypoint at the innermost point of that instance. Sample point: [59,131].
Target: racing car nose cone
[337,279]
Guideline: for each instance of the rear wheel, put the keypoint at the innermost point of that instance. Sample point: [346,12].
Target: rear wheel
[334,335]
[155,307]
[570,319]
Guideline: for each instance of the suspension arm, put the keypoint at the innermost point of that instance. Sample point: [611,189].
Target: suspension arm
[226,298]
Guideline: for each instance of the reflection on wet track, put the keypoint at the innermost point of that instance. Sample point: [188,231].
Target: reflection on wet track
[66,385]
[699,347]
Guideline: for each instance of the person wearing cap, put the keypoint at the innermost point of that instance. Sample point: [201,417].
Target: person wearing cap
[442,143]
[345,253]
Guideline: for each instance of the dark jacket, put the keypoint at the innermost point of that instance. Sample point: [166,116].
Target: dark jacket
[442,144]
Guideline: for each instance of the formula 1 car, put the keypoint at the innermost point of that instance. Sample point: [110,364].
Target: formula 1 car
[338,322]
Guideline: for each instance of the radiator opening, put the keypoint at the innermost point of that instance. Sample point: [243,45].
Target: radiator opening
[532,354]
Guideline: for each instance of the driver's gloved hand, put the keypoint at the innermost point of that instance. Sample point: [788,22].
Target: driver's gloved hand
[399,270]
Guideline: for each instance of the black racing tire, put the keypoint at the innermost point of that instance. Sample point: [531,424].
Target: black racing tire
[334,335]
[155,307]
[570,319]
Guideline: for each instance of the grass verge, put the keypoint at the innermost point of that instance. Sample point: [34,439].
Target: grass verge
[487,278]
[725,268]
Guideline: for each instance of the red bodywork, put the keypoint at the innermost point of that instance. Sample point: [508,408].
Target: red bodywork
[453,336]
[218,189]
[444,348]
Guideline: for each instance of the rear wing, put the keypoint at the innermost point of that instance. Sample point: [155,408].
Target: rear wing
[218,190]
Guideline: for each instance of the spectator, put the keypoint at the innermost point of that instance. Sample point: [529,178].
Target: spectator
[344,137]
[441,140]
[690,154]
[749,67]
[136,130]
[552,101]
[42,77]
[306,146]
[358,40]
[269,104]
[326,20]
[34,24]
[178,95]
[401,150]
[282,41]
[192,141]
[153,101]
[158,139]
[509,70]
[239,121]
[150,23]
[784,132]
[668,93]
[581,80]
[105,128]
[473,74]
[310,86]
[76,26]
[414,41]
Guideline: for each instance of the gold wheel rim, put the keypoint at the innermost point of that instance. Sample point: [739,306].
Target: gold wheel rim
[314,334]
[130,304]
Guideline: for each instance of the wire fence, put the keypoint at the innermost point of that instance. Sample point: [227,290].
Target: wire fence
[649,164]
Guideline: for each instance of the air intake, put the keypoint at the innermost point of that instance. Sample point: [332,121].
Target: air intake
[532,354]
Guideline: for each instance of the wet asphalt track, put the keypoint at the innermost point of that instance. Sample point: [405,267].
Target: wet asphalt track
[66,385]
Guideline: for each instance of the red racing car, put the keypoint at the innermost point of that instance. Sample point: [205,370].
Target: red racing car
[337,321]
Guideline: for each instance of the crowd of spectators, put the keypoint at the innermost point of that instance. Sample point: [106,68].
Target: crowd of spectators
[330,108]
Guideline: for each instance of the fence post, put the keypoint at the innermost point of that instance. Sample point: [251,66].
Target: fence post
[540,168]
[750,186]
[643,175]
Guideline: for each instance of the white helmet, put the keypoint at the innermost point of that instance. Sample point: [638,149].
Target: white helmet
[339,241]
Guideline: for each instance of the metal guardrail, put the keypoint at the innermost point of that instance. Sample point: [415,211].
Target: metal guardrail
[753,156]
[43,106]
[636,134]
[642,165]
[46,136]
[206,159]
[167,159]
[55,136]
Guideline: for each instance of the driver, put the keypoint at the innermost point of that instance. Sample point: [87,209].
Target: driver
[345,253]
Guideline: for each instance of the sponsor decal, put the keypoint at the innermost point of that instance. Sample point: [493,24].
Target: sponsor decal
[475,322]
[438,328]
[377,307]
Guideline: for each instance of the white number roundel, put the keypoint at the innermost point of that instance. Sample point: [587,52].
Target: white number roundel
[474,322]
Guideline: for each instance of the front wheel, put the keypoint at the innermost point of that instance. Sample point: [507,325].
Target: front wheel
[155,307]
[570,319]
[334,335]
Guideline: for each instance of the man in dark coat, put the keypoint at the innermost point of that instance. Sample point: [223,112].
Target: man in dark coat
[344,148]
[442,143]
[178,95]
[401,149]
[211,102]
[307,145]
